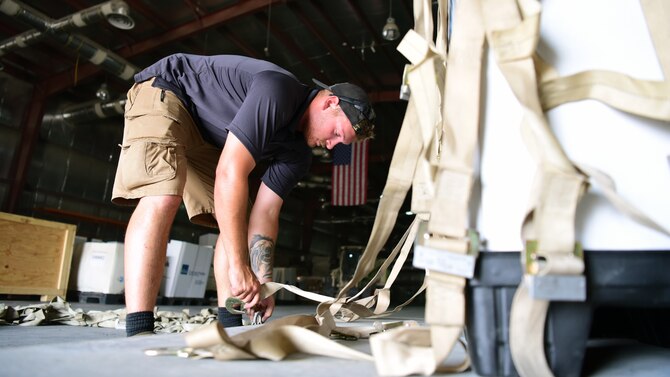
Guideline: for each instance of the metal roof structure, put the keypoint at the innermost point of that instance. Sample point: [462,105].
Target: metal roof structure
[65,63]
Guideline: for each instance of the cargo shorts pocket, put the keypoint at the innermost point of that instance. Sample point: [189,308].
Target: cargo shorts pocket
[148,100]
[146,162]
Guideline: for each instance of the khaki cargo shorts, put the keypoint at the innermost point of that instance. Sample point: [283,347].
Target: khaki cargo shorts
[163,153]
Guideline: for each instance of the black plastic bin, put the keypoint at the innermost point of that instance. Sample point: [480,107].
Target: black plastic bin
[628,296]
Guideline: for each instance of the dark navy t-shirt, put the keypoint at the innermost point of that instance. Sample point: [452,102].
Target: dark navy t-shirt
[259,102]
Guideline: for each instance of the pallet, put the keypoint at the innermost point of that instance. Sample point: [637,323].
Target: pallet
[101,298]
[184,301]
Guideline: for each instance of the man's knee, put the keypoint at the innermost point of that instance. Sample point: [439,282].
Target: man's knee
[161,203]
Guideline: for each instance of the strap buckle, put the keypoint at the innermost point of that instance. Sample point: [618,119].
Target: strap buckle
[235,306]
[454,263]
[405,91]
[552,287]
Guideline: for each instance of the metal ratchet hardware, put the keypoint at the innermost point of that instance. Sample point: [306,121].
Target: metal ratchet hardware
[258,319]
[184,352]
[336,335]
[235,306]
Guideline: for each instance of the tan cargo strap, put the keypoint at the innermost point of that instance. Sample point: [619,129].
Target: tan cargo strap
[409,147]
[549,226]
[273,341]
[398,182]
[442,186]
[640,97]
[408,350]
[513,33]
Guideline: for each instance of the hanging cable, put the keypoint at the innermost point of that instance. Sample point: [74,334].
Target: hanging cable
[267,35]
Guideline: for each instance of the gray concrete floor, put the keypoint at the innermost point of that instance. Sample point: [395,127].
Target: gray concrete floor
[60,350]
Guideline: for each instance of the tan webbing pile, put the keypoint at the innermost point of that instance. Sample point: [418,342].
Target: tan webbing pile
[60,312]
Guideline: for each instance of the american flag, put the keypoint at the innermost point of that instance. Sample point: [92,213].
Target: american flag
[350,174]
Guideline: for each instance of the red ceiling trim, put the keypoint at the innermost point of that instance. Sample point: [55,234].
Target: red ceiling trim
[384,96]
[63,80]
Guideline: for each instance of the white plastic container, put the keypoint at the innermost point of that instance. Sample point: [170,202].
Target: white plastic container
[285,275]
[186,270]
[200,272]
[208,239]
[77,250]
[101,268]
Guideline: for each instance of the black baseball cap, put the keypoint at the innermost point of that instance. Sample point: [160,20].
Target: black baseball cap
[356,105]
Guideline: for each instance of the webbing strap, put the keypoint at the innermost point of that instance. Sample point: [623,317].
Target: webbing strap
[287,336]
[526,333]
[645,98]
[447,170]
[606,184]
[446,181]
[657,14]
[398,182]
[558,185]
[425,78]
[640,97]
[273,341]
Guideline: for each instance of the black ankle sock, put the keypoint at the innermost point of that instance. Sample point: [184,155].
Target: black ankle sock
[227,319]
[139,322]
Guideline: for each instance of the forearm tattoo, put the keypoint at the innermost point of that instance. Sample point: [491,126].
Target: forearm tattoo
[261,253]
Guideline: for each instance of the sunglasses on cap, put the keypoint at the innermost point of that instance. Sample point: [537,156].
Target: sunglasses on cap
[364,126]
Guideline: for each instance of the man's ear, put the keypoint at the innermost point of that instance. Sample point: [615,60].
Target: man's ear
[331,101]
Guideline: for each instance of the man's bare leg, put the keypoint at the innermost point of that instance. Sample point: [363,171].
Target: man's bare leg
[223,286]
[145,247]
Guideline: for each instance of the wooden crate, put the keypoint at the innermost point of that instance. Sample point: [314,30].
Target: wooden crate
[35,256]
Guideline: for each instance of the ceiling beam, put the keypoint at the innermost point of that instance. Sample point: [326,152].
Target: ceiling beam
[375,36]
[409,11]
[384,96]
[244,47]
[146,12]
[18,70]
[63,80]
[195,8]
[139,7]
[188,29]
[294,48]
[319,35]
[319,8]
[28,66]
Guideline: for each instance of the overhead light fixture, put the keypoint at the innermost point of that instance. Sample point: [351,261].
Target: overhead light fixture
[119,18]
[102,93]
[390,32]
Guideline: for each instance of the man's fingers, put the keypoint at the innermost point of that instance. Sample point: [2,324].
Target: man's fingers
[252,302]
[268,312]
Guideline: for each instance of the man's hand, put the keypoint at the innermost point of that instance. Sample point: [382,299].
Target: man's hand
[265,306]
[244,285]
